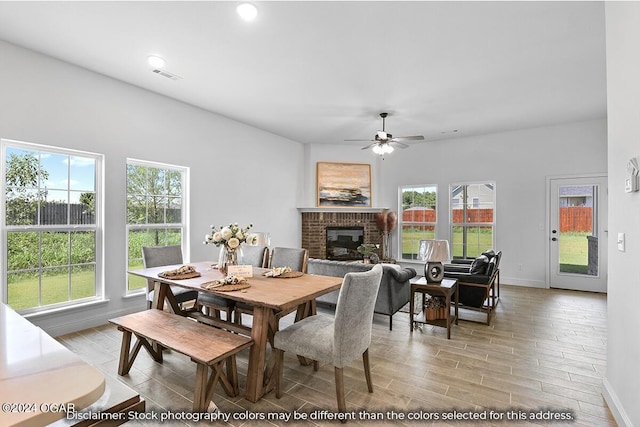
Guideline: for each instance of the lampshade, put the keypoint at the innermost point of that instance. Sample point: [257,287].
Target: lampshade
[434,251]
[262,238]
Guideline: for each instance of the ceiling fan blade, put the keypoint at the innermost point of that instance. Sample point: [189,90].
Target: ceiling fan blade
[408,138]
[369,146]
[359,140]
[398,144]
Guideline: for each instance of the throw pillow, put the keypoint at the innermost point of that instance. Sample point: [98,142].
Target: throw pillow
[489,253]
[479,265]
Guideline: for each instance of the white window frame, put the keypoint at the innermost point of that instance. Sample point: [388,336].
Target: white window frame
[97,228]
[401,223]
[183,225]
[471,224]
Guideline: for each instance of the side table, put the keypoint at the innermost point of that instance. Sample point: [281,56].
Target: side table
[447,288]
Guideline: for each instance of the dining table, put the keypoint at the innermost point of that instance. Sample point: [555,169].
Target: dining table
[270,297]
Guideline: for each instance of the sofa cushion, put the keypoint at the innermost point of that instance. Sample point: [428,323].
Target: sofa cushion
[479,265]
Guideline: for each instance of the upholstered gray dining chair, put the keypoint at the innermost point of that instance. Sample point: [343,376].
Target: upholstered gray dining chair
[157,256]
[337,340]
[296,258]
[257,256]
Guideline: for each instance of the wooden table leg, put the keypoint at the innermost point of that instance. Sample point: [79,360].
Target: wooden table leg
[448,305]
[411,308]
[258,353]
[457,301]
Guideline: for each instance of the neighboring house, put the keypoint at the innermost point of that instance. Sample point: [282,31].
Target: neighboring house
[576,196]
[478,197]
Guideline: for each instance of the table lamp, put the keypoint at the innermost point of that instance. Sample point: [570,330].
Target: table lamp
[435,253]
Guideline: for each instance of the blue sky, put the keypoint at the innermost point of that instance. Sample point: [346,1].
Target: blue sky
[69,176]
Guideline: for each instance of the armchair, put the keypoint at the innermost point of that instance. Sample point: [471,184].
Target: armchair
[478,281]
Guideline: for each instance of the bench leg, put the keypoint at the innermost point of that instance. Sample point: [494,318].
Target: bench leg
[128,355]
[206,383]
[153,348]
[203,390]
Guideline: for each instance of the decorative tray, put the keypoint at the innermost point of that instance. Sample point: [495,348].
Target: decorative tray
[288,275]
[228,284]
[230,288]
[184,272]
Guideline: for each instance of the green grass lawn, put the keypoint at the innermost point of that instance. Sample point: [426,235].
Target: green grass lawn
[23,293]
[574,252]
[478,241]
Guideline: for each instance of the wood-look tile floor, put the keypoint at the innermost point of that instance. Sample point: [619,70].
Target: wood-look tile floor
[544,353]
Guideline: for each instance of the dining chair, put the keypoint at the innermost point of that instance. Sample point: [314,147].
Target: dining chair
[157,256]
[256,256]
[337,340]
[295,258]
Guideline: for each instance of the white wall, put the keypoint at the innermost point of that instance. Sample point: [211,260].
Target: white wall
[237,171]
[622,383]
[518,162]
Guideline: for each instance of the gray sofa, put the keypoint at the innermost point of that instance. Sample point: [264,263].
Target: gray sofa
[394,292]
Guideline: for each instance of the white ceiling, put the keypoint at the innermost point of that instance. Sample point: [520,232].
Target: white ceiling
[321,72]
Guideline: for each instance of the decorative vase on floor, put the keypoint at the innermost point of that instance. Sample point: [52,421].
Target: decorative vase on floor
[228,257]
[387,221]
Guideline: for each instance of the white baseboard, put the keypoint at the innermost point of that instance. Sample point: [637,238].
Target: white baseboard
[515,281]
[615,406]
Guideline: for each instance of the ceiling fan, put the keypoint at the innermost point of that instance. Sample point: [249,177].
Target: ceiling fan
[384,143]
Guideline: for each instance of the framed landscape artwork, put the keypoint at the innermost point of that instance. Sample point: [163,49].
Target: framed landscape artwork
[344,184]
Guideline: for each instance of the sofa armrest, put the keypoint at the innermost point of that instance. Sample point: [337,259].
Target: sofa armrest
[403,274]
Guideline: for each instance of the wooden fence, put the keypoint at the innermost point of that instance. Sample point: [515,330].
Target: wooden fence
[576,218]
[56,213]
[572,218]
[429,215]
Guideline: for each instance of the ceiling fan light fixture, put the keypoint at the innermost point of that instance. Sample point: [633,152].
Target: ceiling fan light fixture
[382,149]
[247,11]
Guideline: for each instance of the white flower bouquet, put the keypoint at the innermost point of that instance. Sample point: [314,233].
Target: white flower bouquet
[230,236]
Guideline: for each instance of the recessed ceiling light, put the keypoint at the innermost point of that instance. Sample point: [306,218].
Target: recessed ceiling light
[247,11]
[156,62]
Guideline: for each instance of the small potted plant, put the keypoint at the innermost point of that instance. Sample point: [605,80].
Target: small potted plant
[369,252]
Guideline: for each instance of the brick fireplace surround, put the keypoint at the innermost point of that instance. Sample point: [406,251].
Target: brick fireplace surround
[315,223]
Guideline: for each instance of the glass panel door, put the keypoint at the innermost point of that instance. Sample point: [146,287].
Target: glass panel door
[577,241]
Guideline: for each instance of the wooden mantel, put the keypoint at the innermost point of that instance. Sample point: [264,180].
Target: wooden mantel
[339,209]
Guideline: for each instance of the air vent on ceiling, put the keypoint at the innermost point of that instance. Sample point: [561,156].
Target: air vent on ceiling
[165,73]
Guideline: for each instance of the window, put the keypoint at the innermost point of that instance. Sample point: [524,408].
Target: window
[472,219]
[51,235]
[418,219]
[156,214]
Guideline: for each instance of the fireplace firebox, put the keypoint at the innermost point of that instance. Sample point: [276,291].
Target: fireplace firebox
[342,242]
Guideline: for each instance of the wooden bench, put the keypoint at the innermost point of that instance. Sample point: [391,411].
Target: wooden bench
[208,347]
